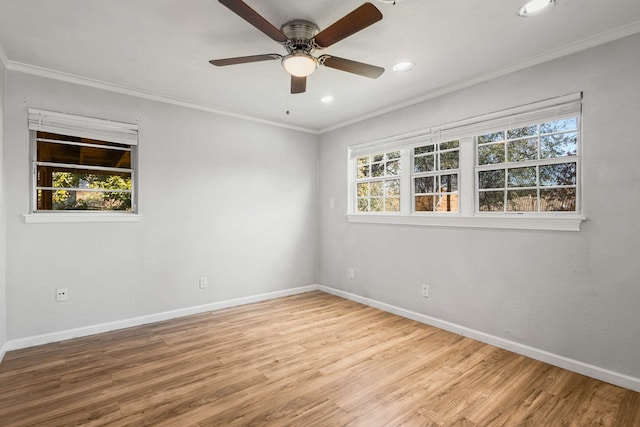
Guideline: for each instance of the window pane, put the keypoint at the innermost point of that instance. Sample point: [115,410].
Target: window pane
[449,144]
[522,149]
[520,132]
[449,160]
[363,161]
[424,149]
[559,125]
[559,145]
[83,200]
[522,201]
[392,187]
[54,177]
[491,137]
[81,155]
[377,170]
[392,205]
[363,189]
[377,205]
[363,172]
[363,205]
[558,174]
[377,188]
[491,179]
[393,168]
[423,164]
[447,203]
[491,154]
[424,203]
[522,177]
[491,201]
[558,199]
[378,157]
[424,184]
[449,183]
[393,155]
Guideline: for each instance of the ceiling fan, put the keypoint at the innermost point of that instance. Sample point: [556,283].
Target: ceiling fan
[301,38]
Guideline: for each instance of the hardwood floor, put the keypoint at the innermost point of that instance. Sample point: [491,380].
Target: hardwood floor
[308,360]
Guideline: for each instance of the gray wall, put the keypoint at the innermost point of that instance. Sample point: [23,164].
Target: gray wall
[223,198]
[575,294]
[3,239]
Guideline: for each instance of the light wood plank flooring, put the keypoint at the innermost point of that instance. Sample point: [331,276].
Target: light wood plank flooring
[307,360]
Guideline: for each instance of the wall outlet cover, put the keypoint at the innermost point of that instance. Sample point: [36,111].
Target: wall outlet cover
[62,294]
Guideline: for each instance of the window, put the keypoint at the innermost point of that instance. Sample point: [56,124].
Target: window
[82,164]
[518,168]
[378,182]
[436,176]
[82,174]
[529,169]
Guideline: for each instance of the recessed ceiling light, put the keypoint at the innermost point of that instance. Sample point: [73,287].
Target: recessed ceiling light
[403,66]
[326,99]
[536,7]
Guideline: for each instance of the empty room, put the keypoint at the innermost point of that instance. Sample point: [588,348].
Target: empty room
[319,213]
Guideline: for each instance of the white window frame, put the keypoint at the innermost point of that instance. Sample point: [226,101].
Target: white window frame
[466,132]
[86,127]
[537,164]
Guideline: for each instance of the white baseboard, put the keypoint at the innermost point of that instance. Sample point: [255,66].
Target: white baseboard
[592,371]
[143,320]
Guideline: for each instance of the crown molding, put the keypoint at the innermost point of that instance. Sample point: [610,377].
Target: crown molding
[126,90]
[568,49]
[598,39]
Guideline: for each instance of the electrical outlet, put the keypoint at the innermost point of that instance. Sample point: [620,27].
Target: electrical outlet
[351,274]
[425,290]
[204,283]
[62,294]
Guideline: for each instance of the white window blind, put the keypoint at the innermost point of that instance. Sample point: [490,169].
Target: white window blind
[519,116]
[84,127]
[554,108]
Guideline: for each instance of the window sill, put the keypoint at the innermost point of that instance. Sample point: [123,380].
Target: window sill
[518,222]
[39,218]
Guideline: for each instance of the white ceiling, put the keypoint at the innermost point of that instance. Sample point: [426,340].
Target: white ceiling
[162,48]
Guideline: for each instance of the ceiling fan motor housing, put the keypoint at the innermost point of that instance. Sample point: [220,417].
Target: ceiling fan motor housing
[300,32]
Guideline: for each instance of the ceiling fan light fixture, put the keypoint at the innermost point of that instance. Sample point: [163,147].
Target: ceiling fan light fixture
[535,8]
[299,64]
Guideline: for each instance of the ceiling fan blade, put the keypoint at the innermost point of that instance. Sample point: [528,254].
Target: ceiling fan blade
[350,66]
[298,84]
[359,19]
[244,59]
[243,10]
